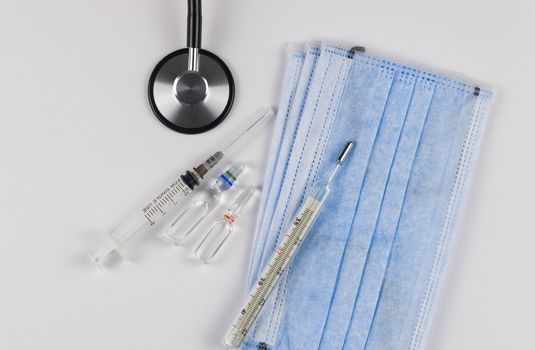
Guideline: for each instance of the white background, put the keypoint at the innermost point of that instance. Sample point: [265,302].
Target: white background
[80,149]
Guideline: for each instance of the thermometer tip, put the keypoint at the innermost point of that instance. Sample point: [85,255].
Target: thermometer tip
[345,151]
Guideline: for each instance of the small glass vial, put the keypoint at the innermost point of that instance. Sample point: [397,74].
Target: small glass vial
[222,228]
[202,205]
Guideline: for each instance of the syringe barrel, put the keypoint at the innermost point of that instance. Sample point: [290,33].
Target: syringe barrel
[213,240]
[152,212]
[172,195]
[222,228]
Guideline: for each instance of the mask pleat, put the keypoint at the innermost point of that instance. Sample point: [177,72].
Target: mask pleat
[385,229]
[317,264]
[367,212]
[305,158]
[299,159]
[282,130]
[426,200]
[290,132]
[464,163]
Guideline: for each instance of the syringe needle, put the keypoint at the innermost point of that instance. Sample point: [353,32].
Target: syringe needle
[266,114]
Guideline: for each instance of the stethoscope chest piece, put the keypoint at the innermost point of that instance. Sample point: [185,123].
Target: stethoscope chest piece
[191,90]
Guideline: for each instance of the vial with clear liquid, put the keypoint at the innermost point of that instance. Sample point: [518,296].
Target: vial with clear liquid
[222,228]
[191,216]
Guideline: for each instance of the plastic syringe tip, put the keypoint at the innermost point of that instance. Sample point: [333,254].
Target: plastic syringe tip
[104,253]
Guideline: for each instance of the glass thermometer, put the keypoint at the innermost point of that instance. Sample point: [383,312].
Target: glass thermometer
[283,255]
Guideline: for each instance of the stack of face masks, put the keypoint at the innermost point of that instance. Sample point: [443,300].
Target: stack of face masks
[368,273]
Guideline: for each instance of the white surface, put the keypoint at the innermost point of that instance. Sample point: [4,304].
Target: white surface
[80,148]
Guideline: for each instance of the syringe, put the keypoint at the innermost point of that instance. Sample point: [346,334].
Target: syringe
[301,225]
[173,194]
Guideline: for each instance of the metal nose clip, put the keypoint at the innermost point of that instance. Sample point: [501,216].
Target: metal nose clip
[345,151]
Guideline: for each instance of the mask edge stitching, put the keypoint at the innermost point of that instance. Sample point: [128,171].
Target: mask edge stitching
[258,224]
[269,333]
[332,110]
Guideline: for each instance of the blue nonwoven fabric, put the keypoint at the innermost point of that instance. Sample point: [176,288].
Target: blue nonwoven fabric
[367,275]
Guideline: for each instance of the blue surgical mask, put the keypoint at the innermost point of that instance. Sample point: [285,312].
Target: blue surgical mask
[367,275]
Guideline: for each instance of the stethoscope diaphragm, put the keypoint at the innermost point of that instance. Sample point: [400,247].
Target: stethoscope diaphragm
[191,102]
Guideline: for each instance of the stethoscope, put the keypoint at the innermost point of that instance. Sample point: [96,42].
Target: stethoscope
[191,90]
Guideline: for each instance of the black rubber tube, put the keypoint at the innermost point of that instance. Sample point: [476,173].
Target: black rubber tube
[194,24]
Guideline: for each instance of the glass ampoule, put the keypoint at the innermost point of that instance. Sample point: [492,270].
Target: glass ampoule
[202,205]
[222,228]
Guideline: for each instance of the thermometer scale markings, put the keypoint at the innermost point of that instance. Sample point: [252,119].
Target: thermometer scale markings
[297,232]
[276,266]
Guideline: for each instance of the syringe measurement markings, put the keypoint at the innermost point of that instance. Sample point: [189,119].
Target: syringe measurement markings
[171,199]
[161,205]
[267,281]
[148,218]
